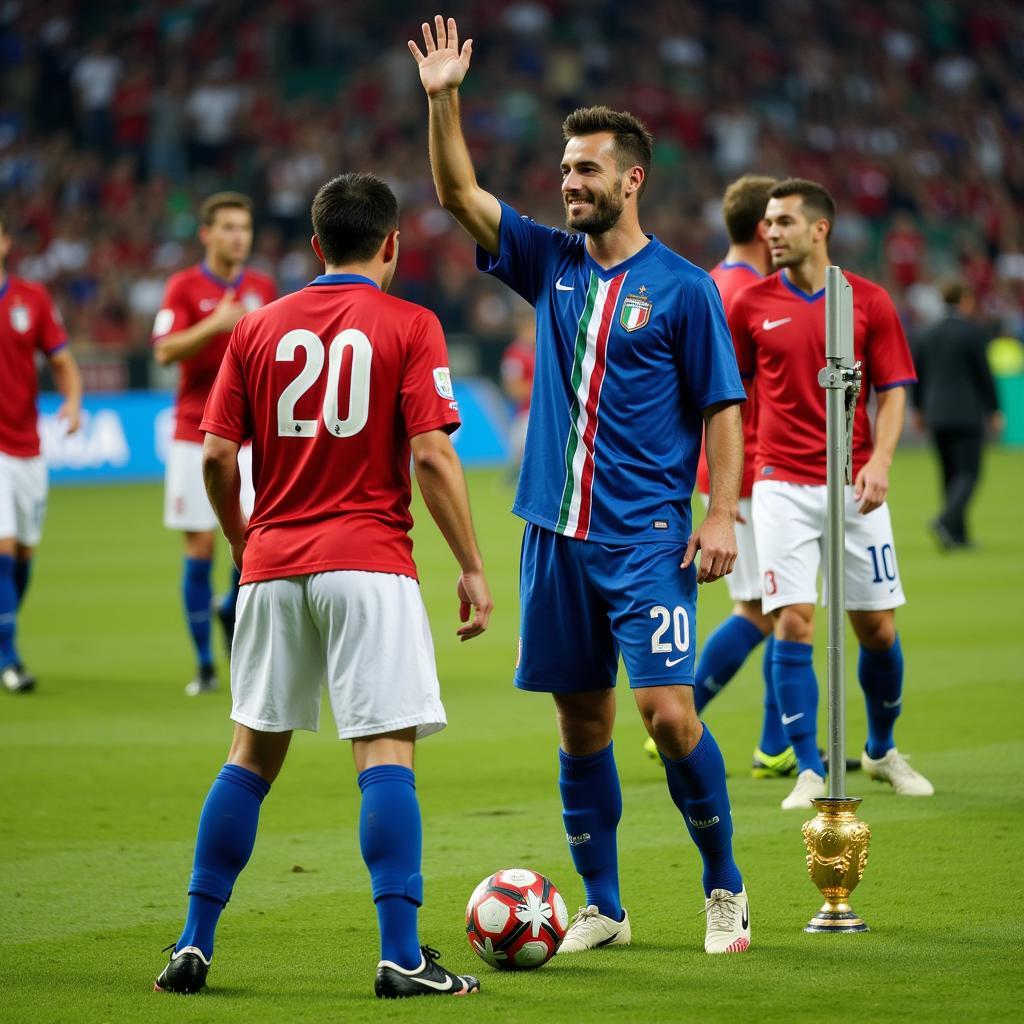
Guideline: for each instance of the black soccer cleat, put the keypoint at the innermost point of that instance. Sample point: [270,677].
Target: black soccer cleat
[429,979]
[16,679]
[204,682]
[186,972]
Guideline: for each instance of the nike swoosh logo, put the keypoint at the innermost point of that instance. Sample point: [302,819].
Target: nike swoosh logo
[672,662]
[892,589]
[790,719]
[436,985]
[892,703]
[563,287]
[746,918]
[770,325]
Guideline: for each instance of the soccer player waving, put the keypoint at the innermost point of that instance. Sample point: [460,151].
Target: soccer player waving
[29,323]
[201,305]
[337,385]
[633,358]
[779,328]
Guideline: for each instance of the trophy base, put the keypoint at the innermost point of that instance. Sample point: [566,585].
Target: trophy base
[836,918]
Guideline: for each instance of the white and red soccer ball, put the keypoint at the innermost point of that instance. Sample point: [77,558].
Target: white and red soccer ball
[516,919]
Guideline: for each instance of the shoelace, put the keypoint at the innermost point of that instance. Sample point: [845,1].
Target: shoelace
[167,949]
[721,913]
[586,917]
[899,765]
[429,953]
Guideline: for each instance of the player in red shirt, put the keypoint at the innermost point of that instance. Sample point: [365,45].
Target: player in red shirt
[337,386]
[29,323]
[778,326]
[517,366]
[201,306]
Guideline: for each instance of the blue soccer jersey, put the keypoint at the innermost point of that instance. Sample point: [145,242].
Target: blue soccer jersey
[626,360]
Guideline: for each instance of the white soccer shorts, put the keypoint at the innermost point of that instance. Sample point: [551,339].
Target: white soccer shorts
[363,634]
[23,490]
[790,523]
[744,582]
[186,506]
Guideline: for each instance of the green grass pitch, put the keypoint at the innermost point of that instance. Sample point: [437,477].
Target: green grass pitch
[104,770]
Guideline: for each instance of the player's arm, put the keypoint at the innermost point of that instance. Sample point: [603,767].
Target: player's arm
[68,382]
[443,486]
[442,70]
[872,483]
[716,535]
[184,344]
[223,486]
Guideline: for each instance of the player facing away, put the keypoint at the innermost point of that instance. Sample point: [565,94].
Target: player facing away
[337,385]
[29,323]
[633,358]
[778,326]
[200,307]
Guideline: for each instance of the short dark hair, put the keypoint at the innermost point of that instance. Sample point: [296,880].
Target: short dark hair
[814,198]
[222,201]
[743,206]
[634,142]
[352,215]
[954,290]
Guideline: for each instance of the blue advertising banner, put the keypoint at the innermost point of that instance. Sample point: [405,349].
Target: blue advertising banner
[125,435]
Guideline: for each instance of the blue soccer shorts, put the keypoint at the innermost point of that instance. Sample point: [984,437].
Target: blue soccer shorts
[582,603]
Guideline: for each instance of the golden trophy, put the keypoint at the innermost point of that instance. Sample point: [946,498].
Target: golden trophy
[836,841]
[837,853]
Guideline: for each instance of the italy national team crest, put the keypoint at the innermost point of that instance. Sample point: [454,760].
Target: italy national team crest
[636,310]
[21,319]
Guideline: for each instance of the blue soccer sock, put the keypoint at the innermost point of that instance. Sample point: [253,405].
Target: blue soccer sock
[796,690]
[391,841]
[22,573]
[881,679]
[198,595]
[230,602]
[591,809]
[8,611]
[697,785]
[723,655]
[227,833]
[773,737]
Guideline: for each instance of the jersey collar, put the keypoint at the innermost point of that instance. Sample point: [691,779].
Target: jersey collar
[725,265]
[344,279]
[799,292]
[620,268]
[5,286]
[220,280]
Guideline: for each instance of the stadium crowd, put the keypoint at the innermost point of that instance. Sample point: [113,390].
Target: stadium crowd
[117,119]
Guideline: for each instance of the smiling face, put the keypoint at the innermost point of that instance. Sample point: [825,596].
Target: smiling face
[593,188]
[792,235]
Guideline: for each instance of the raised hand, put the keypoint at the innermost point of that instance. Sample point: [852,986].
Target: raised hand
[444,66]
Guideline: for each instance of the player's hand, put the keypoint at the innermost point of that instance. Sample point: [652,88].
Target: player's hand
[70,413]
[715,538]
[871,487]
[475,595]
[996,425]
[444,66]
[226,313]
[237,550]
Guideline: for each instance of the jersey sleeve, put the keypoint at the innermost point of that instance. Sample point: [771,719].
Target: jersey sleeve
[427,397]
[52,334]
[743,342]
[890,364]
[228,413]
[705,348]
[525,256]
[174,313]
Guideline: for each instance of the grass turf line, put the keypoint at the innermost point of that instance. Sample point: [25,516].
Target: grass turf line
[104,770]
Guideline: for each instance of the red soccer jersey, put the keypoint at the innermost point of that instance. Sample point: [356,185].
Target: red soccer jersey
[29,323]
[779,333]
[518,362]
[191,295]
[730,278]
[330,383]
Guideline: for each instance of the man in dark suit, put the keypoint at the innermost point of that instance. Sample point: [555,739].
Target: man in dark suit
[956,400]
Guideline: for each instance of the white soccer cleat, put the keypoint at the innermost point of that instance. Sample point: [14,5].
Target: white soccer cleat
[590,929]
[728,927]
[894,769]
[809,786]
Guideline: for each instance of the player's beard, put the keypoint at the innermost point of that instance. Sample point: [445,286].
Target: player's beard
[792,256]
[607,209]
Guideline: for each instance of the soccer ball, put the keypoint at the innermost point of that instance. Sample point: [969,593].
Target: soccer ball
[516,920]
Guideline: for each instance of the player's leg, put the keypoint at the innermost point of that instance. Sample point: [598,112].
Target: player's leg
[275,689]
[873,592]
[385,695]
[8,609]
[944,445]
[226,607]
[966,468]
[22,570]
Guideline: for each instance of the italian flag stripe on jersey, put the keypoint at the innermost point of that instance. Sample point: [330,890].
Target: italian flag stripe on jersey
[588,368]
